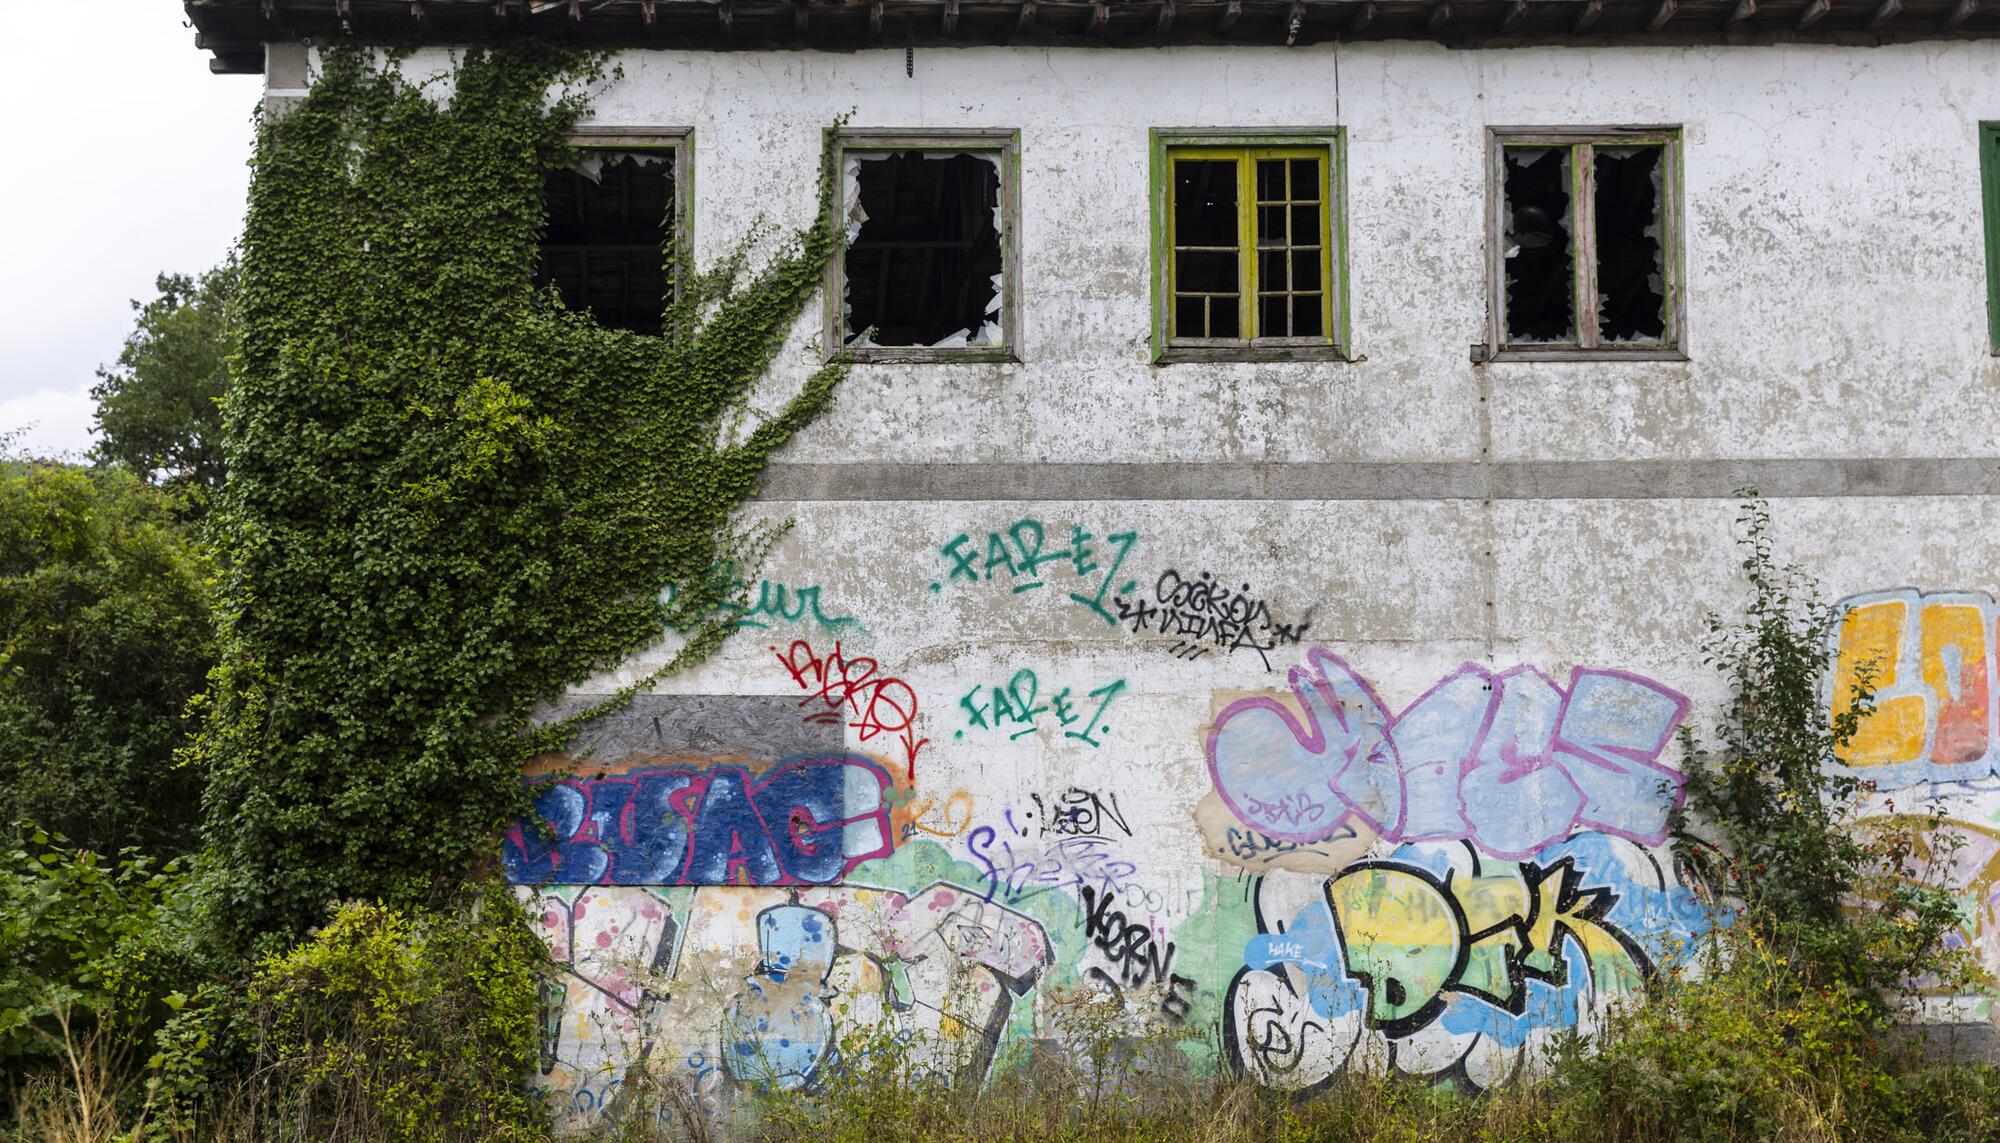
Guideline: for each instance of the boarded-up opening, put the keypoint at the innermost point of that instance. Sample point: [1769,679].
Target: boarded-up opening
[609,219]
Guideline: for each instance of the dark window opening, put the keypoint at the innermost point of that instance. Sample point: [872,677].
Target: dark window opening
[1290,299]
[923,264]
[1540,262]
[1631,275]
[1206,293]
[609,221]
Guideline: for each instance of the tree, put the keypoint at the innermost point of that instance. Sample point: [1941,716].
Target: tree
[105,635]
[158,410]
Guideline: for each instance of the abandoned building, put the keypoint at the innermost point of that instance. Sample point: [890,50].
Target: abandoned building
[1256,568]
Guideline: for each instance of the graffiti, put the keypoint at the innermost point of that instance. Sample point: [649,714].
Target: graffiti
[786,603]
[1071,812]
[1018,870]
[1439,963]
[1014,705]
[939,969]
[1932,658]
[1023,549]
[1205,615]
[939,815]
[853,691]
[808,821]
[1509,760]
[1131,946]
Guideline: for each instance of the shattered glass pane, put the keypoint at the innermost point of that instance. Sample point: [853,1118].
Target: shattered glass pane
[1631,270]
[1540,264]
[923,268]
[608,221]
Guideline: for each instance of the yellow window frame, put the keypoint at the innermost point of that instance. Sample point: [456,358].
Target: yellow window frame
[1248,265]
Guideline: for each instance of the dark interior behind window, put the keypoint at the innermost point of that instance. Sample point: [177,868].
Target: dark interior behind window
[1631,278]
[608,222]
[1539,259]
[922,266]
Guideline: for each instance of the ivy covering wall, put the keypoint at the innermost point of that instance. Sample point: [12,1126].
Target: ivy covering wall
[450,498]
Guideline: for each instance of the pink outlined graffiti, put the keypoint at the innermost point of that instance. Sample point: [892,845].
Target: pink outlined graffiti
[1510,760]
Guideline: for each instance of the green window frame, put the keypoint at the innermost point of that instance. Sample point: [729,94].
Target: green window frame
[1244,296]
[1989,183]
[1584,341]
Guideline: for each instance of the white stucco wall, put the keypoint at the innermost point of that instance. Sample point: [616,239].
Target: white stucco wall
[1836,310]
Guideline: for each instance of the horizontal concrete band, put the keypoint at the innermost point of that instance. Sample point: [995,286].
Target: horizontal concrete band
[1388,480]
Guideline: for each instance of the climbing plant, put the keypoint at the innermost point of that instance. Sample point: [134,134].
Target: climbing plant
[450,498]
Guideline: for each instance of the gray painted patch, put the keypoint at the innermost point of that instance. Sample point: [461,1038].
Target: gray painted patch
[750,726]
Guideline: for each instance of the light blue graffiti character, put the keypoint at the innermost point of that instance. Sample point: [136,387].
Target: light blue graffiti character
[779,1031]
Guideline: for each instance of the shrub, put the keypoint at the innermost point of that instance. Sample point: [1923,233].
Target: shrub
[396,1024]
[88,951]
[1844,898]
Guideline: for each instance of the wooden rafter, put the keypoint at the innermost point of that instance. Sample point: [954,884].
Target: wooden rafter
[1661,15]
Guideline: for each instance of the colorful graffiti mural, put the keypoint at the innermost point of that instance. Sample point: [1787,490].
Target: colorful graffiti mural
[809,820]
[723,989]
[1932,661]
[1442,963]
[1932,737]
[1509,760]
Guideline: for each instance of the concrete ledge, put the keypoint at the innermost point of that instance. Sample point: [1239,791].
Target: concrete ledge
[1443,480]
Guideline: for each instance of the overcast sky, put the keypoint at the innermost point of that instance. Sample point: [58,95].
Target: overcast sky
[125,158]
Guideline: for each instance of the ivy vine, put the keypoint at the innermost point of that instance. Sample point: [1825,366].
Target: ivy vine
[450,498]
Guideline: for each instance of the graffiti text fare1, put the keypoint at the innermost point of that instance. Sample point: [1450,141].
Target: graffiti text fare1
[1017,556]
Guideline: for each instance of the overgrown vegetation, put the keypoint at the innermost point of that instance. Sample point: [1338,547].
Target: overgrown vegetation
[1841,896]
[449,498]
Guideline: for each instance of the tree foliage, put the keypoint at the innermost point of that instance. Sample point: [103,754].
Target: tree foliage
[158,410]
[450,498]
[105,636]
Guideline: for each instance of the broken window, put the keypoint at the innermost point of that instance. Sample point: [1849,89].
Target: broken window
[606,247]
[1585,241]
[927,239]
[1250,252]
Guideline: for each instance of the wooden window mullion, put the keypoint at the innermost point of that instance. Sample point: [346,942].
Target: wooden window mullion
[1583,241]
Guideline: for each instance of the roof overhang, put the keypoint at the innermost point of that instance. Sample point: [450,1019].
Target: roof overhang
[237,30]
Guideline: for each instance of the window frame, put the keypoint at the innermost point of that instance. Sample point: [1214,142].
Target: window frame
[1003,141]
[1672,345]
[1327,143]
[1989,187]
[679,140]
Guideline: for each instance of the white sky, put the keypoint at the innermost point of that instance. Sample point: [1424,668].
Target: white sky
[125,157]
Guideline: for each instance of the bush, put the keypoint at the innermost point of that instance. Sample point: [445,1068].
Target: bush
[402,1025]
[1842,896]
[87,950]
